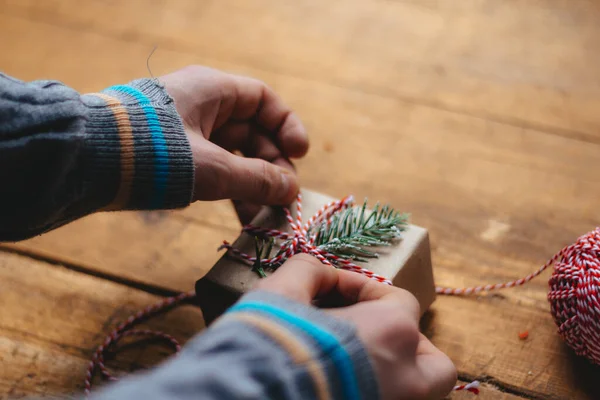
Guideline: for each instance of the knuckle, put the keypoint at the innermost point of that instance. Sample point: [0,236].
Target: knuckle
[265,181]
[418,389]
[258,82]
[406,300]
[451,374]
[408,296]
[194,69]
[221,179]
[404,329]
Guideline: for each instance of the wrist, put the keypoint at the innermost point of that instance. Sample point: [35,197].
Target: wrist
[138,153]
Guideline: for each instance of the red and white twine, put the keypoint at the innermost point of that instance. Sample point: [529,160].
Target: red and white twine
[574,294]
[124,329]
[574,288]
[299,241]
[472,387]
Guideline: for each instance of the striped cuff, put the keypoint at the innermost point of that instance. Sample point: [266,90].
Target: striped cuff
[138,155]
[327,347]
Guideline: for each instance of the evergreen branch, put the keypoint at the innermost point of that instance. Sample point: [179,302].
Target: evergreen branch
[348,234]
[263,250]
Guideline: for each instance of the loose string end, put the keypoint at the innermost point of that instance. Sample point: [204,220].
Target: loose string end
[472,387]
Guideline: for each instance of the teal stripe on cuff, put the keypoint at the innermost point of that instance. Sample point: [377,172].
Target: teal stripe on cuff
[326,340]
[161,152]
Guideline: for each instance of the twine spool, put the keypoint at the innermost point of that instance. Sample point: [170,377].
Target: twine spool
[574,294]
[574,298]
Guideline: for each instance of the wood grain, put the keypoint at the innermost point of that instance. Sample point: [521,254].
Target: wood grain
[148,248]
[460,176]
[53,319]
[526,63]
[479,118]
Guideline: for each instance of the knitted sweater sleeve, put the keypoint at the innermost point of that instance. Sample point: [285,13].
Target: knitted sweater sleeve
[64,155]
[264,347]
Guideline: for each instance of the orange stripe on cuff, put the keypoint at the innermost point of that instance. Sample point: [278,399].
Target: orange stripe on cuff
[127,151]
[299,353]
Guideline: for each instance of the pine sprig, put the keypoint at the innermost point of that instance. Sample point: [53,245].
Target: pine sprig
[351,232]
[348,234]
[263,249]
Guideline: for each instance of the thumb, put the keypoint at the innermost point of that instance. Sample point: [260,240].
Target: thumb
[223,175]
[301,278]
[260,182]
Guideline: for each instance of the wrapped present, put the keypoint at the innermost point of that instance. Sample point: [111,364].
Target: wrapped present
[405,262]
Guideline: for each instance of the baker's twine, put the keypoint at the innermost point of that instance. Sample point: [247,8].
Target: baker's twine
[124,329]
[299,241]
[573,295]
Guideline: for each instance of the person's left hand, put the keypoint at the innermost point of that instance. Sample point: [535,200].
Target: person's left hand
[224,114]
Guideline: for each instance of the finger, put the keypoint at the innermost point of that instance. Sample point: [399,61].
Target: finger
[253,142]
[255,100]
[247,211]
[232,135]
[301,278]
[250,139]
[223,175]
[356,288]
[261,182]
[437,370]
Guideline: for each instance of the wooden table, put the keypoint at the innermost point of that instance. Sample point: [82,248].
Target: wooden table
[479,117]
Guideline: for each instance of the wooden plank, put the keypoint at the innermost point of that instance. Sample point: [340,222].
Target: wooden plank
[44,350]
[475,184]
[54,318]
[488,391]
[140,247]
[484,190]
[34,369]
[526,63]
[37,370]
[482,338]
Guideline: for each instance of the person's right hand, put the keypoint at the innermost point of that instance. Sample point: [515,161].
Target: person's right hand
[406,363]
[223,114]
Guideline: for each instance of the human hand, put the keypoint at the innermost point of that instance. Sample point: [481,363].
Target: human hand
[406,363]
[224,113]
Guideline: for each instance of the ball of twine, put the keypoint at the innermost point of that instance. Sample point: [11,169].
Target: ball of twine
[574,296]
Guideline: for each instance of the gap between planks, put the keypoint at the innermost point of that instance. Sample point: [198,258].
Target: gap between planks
[173,45]
[164,292]
[65,263]
[503,387]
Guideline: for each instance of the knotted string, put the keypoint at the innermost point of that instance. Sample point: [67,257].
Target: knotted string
[300,242]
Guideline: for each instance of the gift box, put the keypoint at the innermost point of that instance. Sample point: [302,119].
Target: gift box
[406,262]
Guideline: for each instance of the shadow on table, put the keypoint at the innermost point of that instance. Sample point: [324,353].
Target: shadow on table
[584,374]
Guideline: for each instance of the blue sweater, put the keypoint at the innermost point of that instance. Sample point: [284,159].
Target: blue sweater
[64,155]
